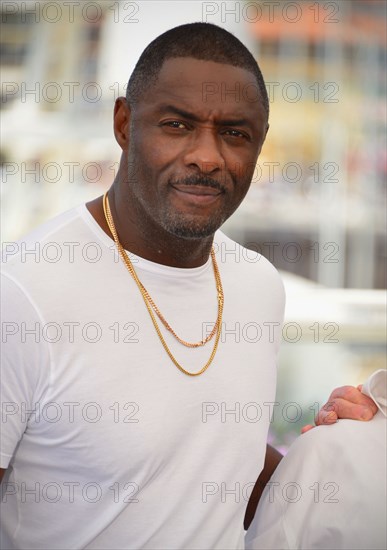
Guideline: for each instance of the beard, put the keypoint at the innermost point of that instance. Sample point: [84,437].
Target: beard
[191,227]
[194,226]
[160,211]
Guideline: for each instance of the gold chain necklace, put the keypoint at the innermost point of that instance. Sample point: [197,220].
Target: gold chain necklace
[144,292]
[150,303]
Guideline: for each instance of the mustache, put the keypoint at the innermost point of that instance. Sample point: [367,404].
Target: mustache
[202,180]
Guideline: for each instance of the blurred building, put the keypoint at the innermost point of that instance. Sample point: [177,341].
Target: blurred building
[63,64]
[316,203]
[325,69]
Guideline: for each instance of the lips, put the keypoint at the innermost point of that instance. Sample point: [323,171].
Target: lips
[197,194]
[198,190]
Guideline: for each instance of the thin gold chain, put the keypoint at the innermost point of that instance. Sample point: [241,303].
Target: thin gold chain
[150,303]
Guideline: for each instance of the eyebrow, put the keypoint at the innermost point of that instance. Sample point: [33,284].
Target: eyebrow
[191,116]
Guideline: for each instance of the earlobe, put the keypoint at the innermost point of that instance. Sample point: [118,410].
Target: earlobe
[121,122]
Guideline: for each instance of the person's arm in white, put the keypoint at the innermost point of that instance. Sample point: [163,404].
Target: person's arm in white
[344,402]
[330,489]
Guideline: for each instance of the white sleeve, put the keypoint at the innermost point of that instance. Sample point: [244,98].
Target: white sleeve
[267,530]
[329,493]
[376,388]
[25,365]
[289,516]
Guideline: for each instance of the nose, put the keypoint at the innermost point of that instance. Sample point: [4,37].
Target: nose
[203,152]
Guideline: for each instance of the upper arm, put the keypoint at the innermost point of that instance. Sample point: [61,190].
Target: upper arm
[272,459]
[24,365]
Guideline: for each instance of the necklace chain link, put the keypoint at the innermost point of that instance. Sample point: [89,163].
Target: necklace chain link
[150,304]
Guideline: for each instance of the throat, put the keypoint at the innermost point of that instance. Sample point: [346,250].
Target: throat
[154,245]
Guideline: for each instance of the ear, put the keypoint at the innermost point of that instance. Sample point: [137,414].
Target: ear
[267,129]
[121,122]
[264,138]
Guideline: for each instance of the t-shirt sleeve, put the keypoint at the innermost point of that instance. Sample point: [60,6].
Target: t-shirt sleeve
[25,365]
[267,530]
[287,501]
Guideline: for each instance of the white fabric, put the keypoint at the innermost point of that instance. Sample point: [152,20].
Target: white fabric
[329,492]
[125,451]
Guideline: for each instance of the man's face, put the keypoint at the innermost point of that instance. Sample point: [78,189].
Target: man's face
[194,140]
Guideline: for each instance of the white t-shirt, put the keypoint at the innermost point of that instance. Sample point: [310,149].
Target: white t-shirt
[122,450]
[329,491]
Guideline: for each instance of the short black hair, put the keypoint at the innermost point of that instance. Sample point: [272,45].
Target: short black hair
[203,41]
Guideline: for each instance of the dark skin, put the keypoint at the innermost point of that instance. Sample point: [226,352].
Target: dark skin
[186,165]
[272,459]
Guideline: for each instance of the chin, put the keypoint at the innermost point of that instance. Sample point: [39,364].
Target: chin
[193,235]
[191,230]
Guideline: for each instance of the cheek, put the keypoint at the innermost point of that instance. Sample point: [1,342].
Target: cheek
[242,167]
[157,147]
[157,158]
[142,164]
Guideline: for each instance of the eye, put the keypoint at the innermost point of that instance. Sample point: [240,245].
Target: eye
[176,124]
[236,134]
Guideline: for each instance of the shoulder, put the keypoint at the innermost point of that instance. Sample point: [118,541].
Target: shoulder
[51,244]
[30,246]
[233,253]
[333,447]
[43,263]
[329,473]
[247,263]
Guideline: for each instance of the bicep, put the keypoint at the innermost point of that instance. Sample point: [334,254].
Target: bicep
[272,459]
[24,365]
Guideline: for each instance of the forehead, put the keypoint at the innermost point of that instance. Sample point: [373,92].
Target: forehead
[206,86]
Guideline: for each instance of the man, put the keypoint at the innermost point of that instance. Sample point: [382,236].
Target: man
[330,489]
[130,361]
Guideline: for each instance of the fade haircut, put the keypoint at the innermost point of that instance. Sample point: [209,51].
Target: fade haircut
[203,41]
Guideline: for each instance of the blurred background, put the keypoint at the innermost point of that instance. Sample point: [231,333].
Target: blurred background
[316,208]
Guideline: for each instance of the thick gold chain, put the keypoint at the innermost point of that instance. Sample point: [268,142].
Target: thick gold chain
[150,303]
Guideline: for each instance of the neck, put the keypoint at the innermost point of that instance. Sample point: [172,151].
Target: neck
[166,249]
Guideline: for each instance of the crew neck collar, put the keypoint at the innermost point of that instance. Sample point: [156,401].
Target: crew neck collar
[138,261]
